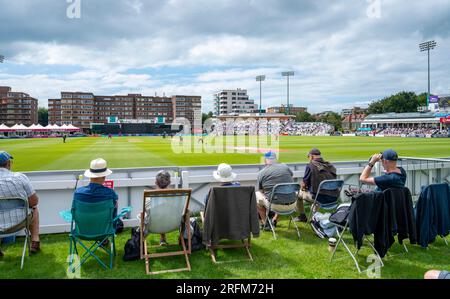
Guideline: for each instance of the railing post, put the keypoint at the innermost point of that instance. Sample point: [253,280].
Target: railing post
[185,179]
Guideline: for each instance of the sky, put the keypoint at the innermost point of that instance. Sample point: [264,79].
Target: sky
[344,53]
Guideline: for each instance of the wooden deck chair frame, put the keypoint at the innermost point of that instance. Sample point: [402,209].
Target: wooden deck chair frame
[144,248]
[22,226]
[246,244]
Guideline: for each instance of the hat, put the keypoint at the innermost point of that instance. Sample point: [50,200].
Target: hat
[98,169]
[390,155]
[314,152]
[270,155]
[224,173]
[4,157]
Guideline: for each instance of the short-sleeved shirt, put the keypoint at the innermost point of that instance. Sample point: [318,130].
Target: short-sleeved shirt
[391,180]
[15,184]
[272,175]
[95,193]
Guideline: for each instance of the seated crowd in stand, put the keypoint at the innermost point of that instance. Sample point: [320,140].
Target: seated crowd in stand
[18,185]
[271,127]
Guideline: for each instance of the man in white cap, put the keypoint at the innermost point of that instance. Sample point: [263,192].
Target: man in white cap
[225,175]
[95,191]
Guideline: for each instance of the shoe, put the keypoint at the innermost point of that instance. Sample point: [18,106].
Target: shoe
[317,229]
[163,242]
[301,218]
[267,227]
[35,246]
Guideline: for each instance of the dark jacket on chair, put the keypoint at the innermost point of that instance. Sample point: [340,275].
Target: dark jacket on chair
[322,170]
[401,218]
[230,214]
[433,213]
[368,215]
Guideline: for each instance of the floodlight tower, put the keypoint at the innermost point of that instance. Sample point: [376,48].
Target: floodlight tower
[427,46]
[260,78]
[287,74]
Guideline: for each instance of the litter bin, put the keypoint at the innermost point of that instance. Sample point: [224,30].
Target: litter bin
[9,240]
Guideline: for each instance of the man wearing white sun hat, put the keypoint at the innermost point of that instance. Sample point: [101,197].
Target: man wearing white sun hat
[225,175]
[95,191]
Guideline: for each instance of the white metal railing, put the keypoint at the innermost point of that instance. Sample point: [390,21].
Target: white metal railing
[55,188]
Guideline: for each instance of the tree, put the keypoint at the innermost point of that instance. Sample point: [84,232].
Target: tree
[43,116]
[205,116]
[400,102]
[304,117]
[333,119]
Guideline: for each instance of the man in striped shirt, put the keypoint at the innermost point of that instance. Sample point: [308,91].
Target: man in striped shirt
[15,184]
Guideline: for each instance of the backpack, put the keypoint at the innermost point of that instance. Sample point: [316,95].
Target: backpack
[340,216]
[133,246]
[196,236]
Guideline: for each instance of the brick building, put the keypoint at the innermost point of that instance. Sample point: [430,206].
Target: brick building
[17,108]
[82,109]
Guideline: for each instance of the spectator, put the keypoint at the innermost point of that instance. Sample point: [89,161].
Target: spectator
[436,274]
[96,191]
[15,184]
[162,181]
[225,175]
[316,171]
[394,176]
[274,173]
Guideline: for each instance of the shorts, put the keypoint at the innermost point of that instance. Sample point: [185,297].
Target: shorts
[262,201]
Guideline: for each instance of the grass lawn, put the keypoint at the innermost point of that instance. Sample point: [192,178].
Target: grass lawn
[128,152]
[286,257]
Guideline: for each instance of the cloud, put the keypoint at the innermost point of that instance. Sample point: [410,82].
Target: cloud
[340,55]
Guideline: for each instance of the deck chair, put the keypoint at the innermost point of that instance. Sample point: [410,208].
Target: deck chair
[92,222]
[343,227]
[230,214]
[164,211]
[284,194]
[15,218]
[319,202]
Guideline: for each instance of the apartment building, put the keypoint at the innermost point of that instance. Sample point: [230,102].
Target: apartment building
[233,102]
[293,110]
[17,107]
[82,109]
[189,107]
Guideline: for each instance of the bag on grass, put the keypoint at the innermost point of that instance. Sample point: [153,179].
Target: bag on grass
[196,236]
[133,246]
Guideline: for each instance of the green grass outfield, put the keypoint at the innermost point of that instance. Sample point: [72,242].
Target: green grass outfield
[127,152]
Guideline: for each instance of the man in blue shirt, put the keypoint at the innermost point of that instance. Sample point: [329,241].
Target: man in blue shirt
[394,176]
[95,191]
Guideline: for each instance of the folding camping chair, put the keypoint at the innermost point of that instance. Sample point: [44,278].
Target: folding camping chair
[165,211]
[319,202]
[92,222]
[239,198]
[14,218]
[284,194]
[343,227]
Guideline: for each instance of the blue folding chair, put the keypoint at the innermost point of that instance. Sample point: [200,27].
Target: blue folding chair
[93,222]
[15,218]
[283,194]
[326,202]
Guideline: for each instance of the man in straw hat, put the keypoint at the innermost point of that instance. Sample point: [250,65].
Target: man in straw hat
[95,191]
